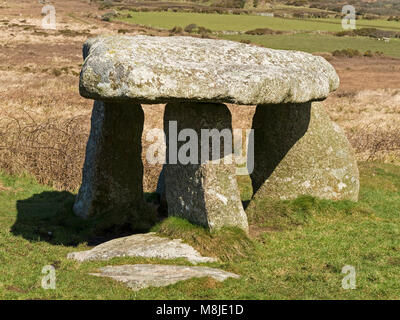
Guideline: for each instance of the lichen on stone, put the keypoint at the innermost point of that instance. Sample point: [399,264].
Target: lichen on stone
[299,150]
[167,69]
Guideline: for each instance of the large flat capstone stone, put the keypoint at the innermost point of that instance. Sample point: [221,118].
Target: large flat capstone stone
[149,69]
[139,276]
[147,245]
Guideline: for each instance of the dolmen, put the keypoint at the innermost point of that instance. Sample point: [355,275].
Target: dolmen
[297,148]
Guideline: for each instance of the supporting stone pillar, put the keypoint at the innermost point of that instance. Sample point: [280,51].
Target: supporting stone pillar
[299,150]
[198,188]
[113,171]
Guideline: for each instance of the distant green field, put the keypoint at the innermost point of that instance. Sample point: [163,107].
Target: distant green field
[379,24]
[220,22]
[309,42]
[321,43]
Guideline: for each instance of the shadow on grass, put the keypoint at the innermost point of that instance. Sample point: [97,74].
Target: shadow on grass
[48,216]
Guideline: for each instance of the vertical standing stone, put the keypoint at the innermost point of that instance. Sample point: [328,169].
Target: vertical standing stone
[163,207]
[299,150]
[113,170]
[201,189]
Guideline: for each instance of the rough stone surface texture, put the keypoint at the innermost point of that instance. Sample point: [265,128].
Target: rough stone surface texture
[168,69]
[202,189]
[147,245]
[113,170]
[139,276]
[299,150]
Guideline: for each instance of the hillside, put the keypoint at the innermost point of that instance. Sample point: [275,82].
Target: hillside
[372,8]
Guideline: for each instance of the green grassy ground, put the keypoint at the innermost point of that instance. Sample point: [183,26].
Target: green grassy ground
[362,23]
[218,22]
[297,250]
[303,41]
[320,43]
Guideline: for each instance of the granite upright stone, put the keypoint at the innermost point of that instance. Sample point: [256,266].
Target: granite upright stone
[113,170]
[298,150]
[200,180]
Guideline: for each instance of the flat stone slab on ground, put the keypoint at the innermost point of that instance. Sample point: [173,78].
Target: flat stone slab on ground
[146,245]
[139,276]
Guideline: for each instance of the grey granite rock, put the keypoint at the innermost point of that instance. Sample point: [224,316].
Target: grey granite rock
[299,150]
[113,171]
[139,276]
[147,245]
[202,187]
[149,69]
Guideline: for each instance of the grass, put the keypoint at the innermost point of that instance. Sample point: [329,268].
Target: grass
[218,22]
[320,43]
[296,251]
[229,244]
[305,39]
[363,23]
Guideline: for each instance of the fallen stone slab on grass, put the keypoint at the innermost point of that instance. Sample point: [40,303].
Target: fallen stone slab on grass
[139,276]
[147,245]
